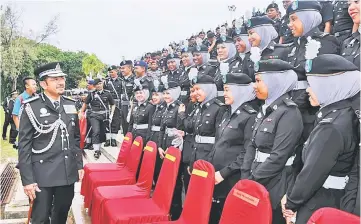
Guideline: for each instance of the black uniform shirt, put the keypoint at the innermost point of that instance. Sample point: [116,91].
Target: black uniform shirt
[141,114]
[114,86]
[128,82]
[285,31]
[243,65]
[100,101]
[329,150]
[326,13]
[351,49]
[207,69]
[341,19]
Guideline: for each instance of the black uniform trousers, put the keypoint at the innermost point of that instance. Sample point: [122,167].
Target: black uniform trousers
[216,211]
[97,122]
[13,132]
[124,114]
[52,202]
[6,124]
[176,207]
[115,125]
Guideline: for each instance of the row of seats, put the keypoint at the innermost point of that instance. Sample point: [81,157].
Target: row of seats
[114,196]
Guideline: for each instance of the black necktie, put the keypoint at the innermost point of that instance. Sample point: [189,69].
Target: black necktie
[56,105]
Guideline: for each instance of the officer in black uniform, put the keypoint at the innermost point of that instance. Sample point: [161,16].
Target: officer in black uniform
[226,51]
[160,107]
[88,140]
[140,69]
[211,45]
[201,61]
[50,159]
[342,22]
[189,67]
[350,49]
[142,112]
[207,117]
[242,62]
[9,119]
[169,135]
[276,133]
[273,13]
[265,40]
[329,152]
[175,74]
[297,56]
[128,77]
[232,137]
[103,107]
[163,61]
[115,86]
[285,33]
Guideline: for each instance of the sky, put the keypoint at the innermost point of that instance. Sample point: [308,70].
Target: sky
[127,28]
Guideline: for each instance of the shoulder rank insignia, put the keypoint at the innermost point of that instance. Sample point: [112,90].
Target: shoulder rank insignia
[68,98]
[31,99]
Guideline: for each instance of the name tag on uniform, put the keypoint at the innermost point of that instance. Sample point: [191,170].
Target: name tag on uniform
[70,109]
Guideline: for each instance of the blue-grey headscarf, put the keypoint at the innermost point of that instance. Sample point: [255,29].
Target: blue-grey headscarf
[267,34]
[241,94]
[279,83]
[210,91]
[331,89]
[310,19]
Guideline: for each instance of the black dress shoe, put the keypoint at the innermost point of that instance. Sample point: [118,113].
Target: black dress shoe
[97,154]
[88,146]
[107,143]
[114,143]
[4,138]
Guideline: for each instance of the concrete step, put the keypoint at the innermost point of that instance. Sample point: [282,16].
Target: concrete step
[13,221]
[19,205]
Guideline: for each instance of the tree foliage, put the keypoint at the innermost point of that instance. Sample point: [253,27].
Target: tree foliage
[92,65]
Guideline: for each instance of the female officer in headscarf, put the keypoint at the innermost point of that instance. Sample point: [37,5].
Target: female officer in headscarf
[242,62]
[142,113]
[261,35]
[276,133]
[226,52]
[207,117]
[201,60]
[170,135]
[232,137]
[160,106]
[329,152]
[305,18]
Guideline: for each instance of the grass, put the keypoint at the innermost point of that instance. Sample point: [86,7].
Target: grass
[7,151]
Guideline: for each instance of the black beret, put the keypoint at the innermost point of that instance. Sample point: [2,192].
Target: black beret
[202,32]
[97,81]
[200,49]
[272,6]
[142,86]
[259,21]
[273,65]
[126,62]
[239,32]
[187,49]
[297,6]
[329,64]
[171,56]
[204,79]
[171,85]
[224,39]
[49,70]
[237,78]
[165,49]
[113,67]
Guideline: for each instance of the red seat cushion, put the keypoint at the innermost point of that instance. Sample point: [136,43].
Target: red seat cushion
[333,216]
[111,178]
[125,211]
[104,193]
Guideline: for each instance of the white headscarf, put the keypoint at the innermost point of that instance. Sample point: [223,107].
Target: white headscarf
[210,91]
[267,34]
[241,94]
[279,83]
[310,19]
[177,61]
[190,56]
[331,89]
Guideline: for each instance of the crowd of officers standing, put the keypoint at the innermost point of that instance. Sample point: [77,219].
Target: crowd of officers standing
[284,115]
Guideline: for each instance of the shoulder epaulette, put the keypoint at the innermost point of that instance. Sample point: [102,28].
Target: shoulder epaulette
[249,109]
[105,90]
[329,118]
[217,101]
[31,99]
[68,98]
[289,102]
[284,45]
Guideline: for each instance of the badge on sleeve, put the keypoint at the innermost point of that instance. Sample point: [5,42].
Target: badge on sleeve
[70,109]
